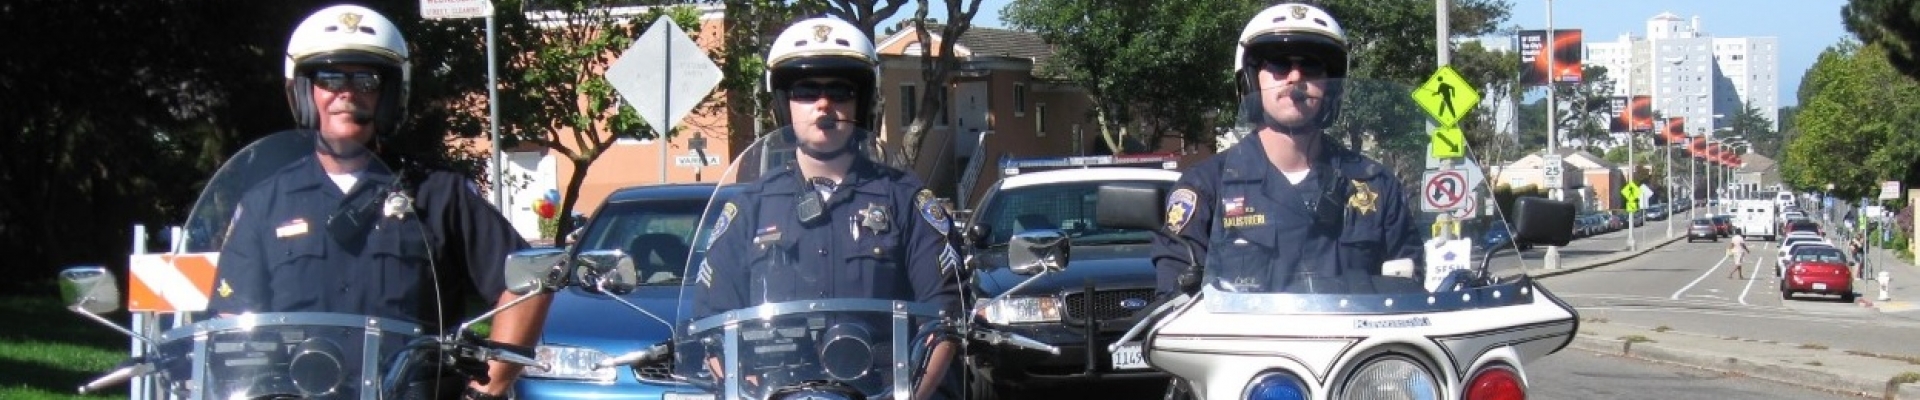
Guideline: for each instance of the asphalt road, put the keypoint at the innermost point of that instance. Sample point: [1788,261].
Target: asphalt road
[1685,287]
[1574,374]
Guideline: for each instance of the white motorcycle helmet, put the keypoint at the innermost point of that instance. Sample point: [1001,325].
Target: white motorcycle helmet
[347,34]
[825,46]
[1291,29]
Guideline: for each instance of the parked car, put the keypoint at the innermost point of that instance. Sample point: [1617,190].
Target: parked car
[1786,247]
[1702,228]
[1723,225]
[1080,310]
[1819,269]
[1804,226]
[1499,235]
[654,225]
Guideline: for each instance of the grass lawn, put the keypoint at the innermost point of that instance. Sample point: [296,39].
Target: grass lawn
[48,351]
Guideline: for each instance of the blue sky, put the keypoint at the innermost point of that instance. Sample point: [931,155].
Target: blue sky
[1803,27]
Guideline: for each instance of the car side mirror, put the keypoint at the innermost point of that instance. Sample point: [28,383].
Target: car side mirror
[976,235]
[1130,206]
[1540,221]
[92,289]
[535,269]
[1038,251]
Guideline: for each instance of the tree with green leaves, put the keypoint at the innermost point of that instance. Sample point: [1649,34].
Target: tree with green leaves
[1894,24]
[1855,123]
[1112,49]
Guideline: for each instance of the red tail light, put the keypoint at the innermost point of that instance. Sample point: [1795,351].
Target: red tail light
[1496,382]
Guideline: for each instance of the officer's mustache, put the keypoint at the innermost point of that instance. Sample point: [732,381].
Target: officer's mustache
[361,115]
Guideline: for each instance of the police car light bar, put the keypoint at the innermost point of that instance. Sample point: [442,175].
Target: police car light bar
[1015,166]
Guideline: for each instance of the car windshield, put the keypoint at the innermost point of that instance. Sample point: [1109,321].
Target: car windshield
[1818,254]
[655,233]
[1067,206]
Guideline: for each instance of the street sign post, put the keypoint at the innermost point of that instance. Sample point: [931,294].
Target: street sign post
[663,76]
[1551,171]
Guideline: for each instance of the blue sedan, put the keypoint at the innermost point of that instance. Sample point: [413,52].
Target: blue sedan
[655,226]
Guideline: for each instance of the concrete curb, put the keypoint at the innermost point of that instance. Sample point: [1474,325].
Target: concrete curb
[1603,262]
[1787,373]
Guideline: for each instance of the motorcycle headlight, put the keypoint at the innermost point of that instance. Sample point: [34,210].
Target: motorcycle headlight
[1019,310]
[1276,386]
[571,363]
[1391,377]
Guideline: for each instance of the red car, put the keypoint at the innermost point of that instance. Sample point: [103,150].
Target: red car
[1817,269]
[1723,224]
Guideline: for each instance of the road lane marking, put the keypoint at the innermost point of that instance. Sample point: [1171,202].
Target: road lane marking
[1703,276]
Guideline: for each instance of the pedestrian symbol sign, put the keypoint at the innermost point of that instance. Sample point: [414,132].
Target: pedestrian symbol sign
[1448,142]
[1631,192]
[1446,96]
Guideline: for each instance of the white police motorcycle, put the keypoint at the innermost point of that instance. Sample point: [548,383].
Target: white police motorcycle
[1462,327]
[294,354]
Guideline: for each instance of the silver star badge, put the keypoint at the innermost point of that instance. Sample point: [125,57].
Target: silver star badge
[398,205]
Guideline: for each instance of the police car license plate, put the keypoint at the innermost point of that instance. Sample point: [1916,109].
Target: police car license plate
[1128,357]
[1819,286]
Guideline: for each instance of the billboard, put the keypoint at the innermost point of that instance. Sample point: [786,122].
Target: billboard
[1674,133]
[1631,114]
[1566,48]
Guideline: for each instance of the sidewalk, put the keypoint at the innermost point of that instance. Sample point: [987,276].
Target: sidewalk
[1853,372]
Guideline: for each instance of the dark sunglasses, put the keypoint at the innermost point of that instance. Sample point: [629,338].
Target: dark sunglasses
[339,81]
[812,91]
[1284,64]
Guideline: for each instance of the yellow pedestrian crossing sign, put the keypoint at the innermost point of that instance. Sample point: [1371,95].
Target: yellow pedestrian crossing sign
[1631,192]
[1446,96]
[1448,142]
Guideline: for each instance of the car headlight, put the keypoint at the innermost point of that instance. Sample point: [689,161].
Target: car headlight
[572,363]
[1391,377]
[1018,310]
[1276,386]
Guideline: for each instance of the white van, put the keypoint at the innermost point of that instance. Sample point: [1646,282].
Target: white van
[1758,217]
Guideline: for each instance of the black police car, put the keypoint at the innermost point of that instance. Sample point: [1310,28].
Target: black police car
[1079,310]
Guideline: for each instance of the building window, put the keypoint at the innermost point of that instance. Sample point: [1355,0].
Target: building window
[908,103]
[1040,119]
[1019,99]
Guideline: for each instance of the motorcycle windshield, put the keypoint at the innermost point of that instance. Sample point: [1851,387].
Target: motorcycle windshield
[760,325]
[1378,225]
[297,249]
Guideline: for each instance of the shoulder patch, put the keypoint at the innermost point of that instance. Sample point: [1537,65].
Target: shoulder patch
[1180,206]
[932,211]
[720,225]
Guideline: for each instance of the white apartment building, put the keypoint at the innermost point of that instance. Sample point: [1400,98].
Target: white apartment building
[1691,74]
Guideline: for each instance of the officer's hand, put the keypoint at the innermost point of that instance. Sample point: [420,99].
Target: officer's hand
[465,357]
[1190,280]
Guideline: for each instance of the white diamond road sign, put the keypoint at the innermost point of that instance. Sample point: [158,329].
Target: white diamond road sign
[664,75]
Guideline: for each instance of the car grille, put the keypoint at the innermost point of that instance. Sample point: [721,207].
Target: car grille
[655,373]
[1105,304]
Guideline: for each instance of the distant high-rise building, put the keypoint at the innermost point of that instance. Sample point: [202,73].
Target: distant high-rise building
[1691,74]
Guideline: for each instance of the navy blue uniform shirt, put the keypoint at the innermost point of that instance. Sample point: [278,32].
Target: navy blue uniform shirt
[283,254]
[1328,233]
[880,235]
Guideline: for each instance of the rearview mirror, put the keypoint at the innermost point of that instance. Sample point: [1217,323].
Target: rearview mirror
[1129,206]
[609,271]
[534,269]
[1542,221]
[92,289]
[1037,251]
